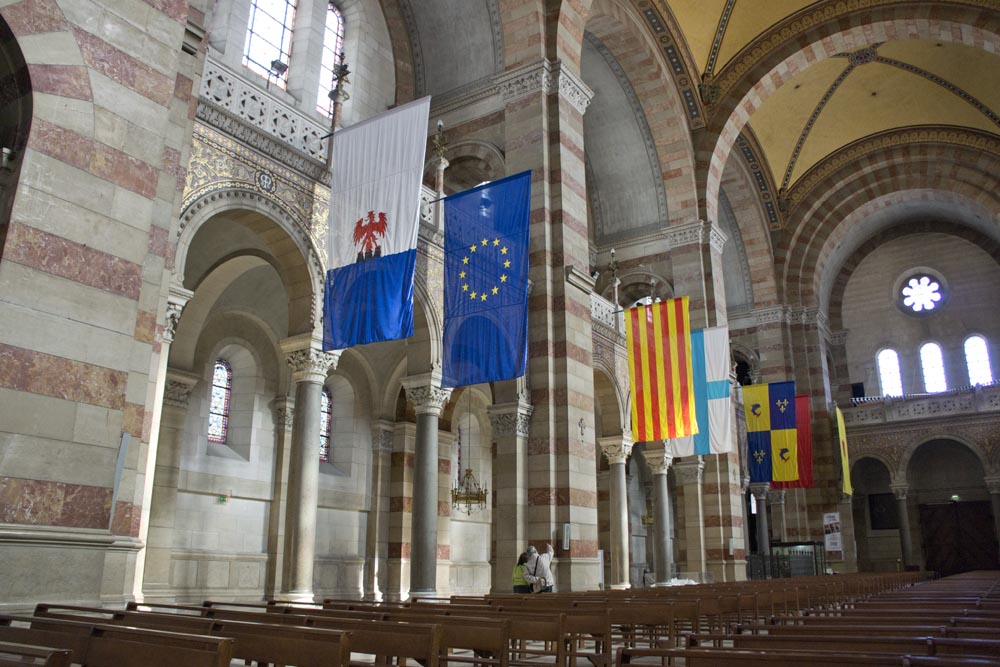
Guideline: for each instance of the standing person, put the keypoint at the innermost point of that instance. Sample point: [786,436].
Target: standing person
[537,570]
[521,585]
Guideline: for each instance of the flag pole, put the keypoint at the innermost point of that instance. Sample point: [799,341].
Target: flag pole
[339,95]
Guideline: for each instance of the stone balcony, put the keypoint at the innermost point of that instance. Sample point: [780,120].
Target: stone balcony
[964,401]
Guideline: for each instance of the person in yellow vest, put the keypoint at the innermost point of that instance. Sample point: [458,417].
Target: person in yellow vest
[521,584]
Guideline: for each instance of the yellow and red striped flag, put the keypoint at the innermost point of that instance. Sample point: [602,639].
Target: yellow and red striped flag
[659,368]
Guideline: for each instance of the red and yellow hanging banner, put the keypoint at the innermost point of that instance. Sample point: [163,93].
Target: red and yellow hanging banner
[659,368]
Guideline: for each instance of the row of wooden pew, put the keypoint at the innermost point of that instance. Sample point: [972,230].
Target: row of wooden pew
[745,623]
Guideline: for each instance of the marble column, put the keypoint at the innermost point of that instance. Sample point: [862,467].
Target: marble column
[177,298]
[309,370]
[903,512]
[776,499]
[278,545]
[658,460]
[617,449]
[428,399]
[690,474]
[377,529]
[509,422]
[759,491]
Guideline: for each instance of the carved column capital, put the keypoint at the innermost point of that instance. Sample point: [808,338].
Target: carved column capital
[178,388]
[510,419]
[177,298]
[760,490]
[382,430]
[899,490]
[617,448]
[311,365]
[690,471]
[658,459]
[426,393]
[284,412]
[776,496]
[992,484]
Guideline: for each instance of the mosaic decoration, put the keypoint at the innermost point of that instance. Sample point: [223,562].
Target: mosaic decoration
[658,23]
[218,408]
[747,145]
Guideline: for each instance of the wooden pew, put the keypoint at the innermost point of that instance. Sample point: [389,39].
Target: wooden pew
[731,657]
[98,645]
[900,645]
[19,655]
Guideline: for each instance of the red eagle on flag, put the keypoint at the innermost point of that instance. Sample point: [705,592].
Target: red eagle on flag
[367,231]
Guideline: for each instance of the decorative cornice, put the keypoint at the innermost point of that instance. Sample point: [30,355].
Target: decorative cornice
[545,77]
[573,88]
[616,448]
[226,97]
[511,419]
[716,237]
[686,233]
[579,279]
[750,149]
[899,490]
[178,388]
[177,298]
[838,338]
[776,497]
[850,155]
[689,471]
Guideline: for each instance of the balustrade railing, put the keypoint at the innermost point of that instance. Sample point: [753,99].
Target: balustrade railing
[871,410]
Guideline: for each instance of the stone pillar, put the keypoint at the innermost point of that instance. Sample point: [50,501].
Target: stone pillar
[278,545]
[993,486]
[902,509]
[177,298]
[617,449]
[428,399]
[776,499]
[155,579]
[509,423]
[309,370]
[659,461]
[759,491]
[377,529]
[690,474]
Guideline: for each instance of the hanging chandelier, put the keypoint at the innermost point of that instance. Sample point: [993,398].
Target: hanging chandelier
[468,495]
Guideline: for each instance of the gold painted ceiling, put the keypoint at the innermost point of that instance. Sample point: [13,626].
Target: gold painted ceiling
[896,84]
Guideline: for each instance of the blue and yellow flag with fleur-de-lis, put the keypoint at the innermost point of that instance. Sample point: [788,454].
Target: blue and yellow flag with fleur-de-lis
[771,435]
[486,282]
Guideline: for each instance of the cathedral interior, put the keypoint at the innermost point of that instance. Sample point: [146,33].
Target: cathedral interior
[822,178]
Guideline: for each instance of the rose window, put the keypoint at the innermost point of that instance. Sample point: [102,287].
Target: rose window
[921,293]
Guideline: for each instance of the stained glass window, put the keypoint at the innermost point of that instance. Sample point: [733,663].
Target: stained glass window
[333,51]
[269,39]
[325,423]
[218,409]
[977,360]
[932,364]
[888,373]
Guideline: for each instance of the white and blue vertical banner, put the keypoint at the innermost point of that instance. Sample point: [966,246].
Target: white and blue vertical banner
[374,217]
[710,370]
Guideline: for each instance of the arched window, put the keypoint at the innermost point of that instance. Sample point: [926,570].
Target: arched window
[977,360]
[333,52]
[888,373]
[268,45]
[932,365]
[218,408]
[325,423]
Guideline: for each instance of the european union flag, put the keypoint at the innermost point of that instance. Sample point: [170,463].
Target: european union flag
[771,431]
[486,282]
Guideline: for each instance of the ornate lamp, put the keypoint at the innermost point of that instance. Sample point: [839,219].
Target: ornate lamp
[468,495]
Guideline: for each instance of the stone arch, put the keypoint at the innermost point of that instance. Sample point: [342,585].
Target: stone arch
[640,283]
[899,230]
[784,51]
[302,269]
[889,464]
[610,401]
[470,163]
[749,356]
[624,35]
[937,434]
[537,29]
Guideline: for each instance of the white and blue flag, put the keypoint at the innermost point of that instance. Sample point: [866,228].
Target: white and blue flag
[374,214]
[710,368]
